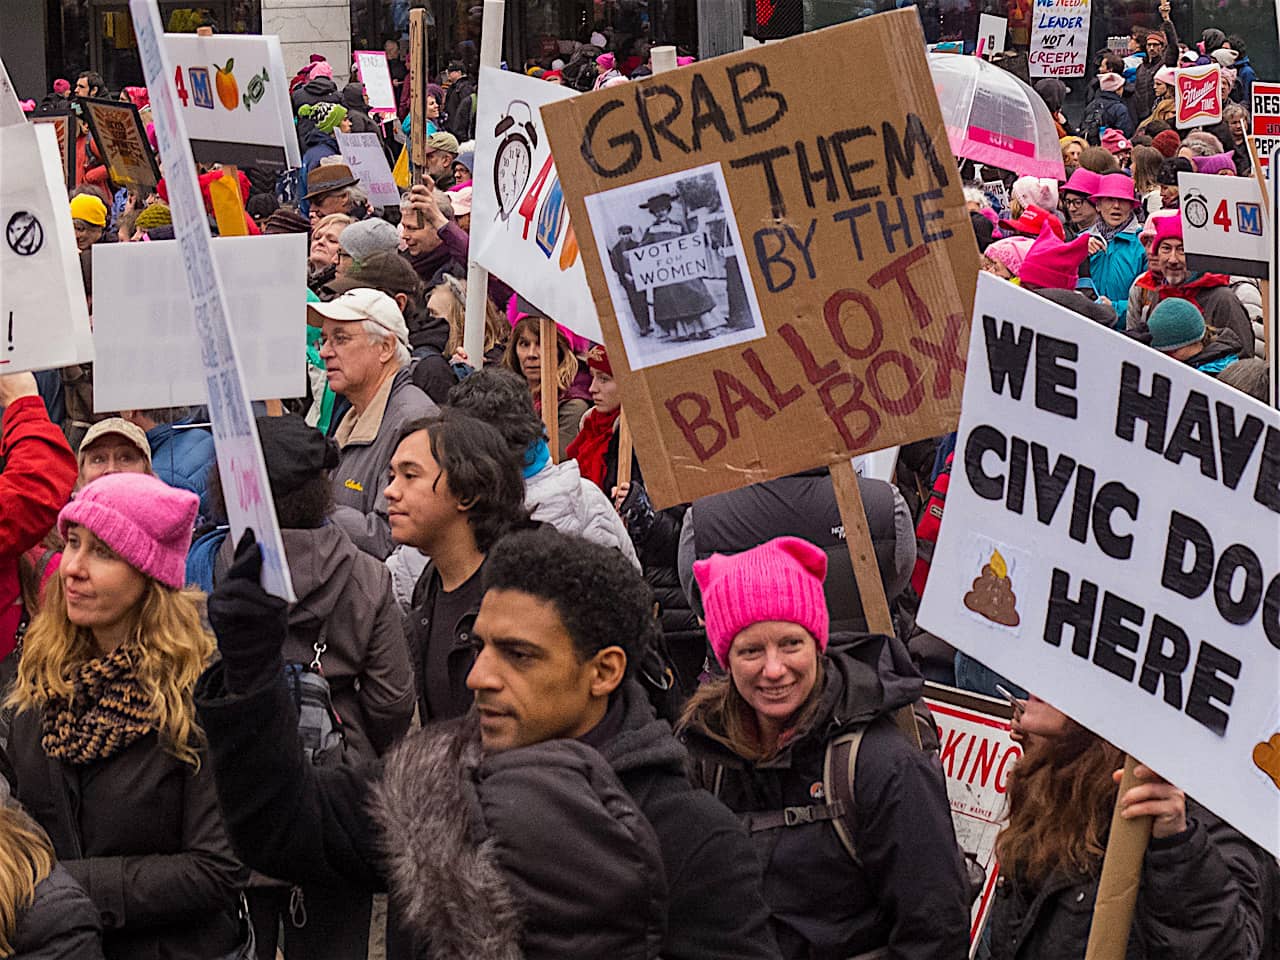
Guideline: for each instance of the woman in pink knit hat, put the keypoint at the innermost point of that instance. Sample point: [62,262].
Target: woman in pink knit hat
[800,740]
[105,746]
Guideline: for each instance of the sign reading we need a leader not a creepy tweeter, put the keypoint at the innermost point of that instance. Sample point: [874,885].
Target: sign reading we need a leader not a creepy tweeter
[1118,556]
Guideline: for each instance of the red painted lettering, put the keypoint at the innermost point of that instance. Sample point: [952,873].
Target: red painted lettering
[1002,771]
[841,412]
[947,355]
[813,373]
[780,400]
[896,271]
[950,740]
[727,383]
[911,398]
[984,761]
[831,313]
[700,421]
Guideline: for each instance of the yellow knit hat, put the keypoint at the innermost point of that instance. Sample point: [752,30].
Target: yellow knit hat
[89,209]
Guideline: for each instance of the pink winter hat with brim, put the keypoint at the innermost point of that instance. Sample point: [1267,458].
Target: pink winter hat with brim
[1082,181]
[779,580]
[1010,252]
[1115,186]
[1052,264]
[1214,163]
[143,519]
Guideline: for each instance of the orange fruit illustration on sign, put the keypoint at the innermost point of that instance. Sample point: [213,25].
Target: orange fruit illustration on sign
[228,91]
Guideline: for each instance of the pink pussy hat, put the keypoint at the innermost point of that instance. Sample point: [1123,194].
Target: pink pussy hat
[779,580]
[143,519]
[1052,264]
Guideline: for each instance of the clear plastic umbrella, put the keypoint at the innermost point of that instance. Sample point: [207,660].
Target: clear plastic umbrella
[993,117]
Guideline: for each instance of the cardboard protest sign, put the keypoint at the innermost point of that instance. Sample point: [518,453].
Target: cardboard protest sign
[10,107]
[1110,544]
[371,67]
[235,432]
[118,132]
[146,346]
[1198,96]
[363,153]
[1266,119]
[44,322]
[832,318]
[520,225]
[63,125]
[977,756]
[234,96]
[1222,224]
[991,35]
[1059,38]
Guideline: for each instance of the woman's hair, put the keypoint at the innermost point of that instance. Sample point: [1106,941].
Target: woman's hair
[721,712]
[1249,376]
[333,219]
[566,369]
[1099,160]
[1061,798]
[26,858]
[1202,143]
[1233,110]
[495,324]
[172,647]
[1146,165]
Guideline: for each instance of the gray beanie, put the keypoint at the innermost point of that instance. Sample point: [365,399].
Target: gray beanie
[364,238]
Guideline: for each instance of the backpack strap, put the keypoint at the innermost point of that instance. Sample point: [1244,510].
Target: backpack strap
[838,768]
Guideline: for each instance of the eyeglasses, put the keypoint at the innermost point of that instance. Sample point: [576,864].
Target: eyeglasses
[1074,201]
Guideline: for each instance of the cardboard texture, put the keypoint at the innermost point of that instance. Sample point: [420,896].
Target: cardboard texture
[1121,877]
[1116,550]
[833,318]
[62,127]
[122,140]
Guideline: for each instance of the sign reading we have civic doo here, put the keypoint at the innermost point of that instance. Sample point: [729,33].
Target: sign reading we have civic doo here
[1116,551]
[831,315]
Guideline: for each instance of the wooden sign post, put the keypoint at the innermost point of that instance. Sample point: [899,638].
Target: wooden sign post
[418,98]
[550,384]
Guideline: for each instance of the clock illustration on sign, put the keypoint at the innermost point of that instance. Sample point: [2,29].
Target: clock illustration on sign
[513,162]
[1196,209]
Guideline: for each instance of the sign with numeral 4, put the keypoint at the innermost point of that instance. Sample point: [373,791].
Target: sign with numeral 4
[234,96]
[1223,228]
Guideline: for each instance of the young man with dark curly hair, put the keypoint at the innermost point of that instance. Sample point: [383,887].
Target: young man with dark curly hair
[555,820]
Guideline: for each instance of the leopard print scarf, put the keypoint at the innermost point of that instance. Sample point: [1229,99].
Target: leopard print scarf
[107,712]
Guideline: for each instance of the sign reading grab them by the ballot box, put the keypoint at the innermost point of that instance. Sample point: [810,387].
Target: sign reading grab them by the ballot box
[783,280]
[1110,543]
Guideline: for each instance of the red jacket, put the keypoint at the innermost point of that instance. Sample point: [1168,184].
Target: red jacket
[39,474]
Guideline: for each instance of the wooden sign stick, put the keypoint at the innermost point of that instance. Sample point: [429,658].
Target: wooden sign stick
[625,449]
[1121,874]
[550,385]
[418,98]
[866,572]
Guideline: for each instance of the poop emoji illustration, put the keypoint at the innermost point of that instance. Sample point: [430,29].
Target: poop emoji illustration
[991,595]
[1266,757]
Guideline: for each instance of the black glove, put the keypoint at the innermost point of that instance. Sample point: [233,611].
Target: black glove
[637,513]
[250,623]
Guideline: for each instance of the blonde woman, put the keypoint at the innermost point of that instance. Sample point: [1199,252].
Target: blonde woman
[438,339]
[44,914]
[524,356]
[322,260]
[105,748]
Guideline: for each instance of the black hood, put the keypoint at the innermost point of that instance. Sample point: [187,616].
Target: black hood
[353,97]
[1053,92]
[869,675]
[1213,39]
[320,88]
[644,741]
[315,137]
[428,331]
[1076,301]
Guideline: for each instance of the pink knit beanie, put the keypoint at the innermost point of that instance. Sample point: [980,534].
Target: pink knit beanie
[1052,264]
[1010,252]
[778,580]
[140,517]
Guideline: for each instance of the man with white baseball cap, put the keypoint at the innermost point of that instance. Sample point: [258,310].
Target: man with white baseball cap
[365,348]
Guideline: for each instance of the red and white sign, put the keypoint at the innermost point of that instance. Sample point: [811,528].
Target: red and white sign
[1199,96]
[977,756]
[1266,119]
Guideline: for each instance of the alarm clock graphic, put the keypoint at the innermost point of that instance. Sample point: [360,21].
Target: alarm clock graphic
[513,163]
[1196,210]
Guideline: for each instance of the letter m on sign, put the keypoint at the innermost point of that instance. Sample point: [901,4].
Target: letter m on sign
[201,92]
[1249,217]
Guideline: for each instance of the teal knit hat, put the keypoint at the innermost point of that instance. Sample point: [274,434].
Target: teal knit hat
[1175,323]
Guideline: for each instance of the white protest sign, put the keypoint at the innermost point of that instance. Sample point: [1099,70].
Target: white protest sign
[977,756]
[233,94]
[147,349]
[1222,224]
[520,227]
[1110,544]
[1272,332]
[686,257]
[10,108]
[1059,38]
[235,433]
[364,155]
[44,322]
[992,31]
[1266,119]
[371,66]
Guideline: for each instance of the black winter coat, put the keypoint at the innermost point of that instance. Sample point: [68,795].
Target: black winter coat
[1107,109]
[141,833]
[908,892]
[1198,899]
[60,924]
[319,90]
[296,821]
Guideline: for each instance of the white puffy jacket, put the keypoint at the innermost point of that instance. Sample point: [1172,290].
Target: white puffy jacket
[557,494]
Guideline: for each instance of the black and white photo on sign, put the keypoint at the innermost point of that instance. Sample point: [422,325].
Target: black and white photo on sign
[678,277]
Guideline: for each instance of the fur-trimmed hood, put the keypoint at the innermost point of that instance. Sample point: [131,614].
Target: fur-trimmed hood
[533,853]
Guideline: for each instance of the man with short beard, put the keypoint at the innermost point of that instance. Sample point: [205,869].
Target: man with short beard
[1169,277]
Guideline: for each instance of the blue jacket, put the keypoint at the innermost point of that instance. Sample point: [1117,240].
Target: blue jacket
[182,458]
[316,146]
[1114,269]
[1106,110]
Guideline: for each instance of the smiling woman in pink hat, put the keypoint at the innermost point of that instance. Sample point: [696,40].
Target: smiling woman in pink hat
[794,697]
